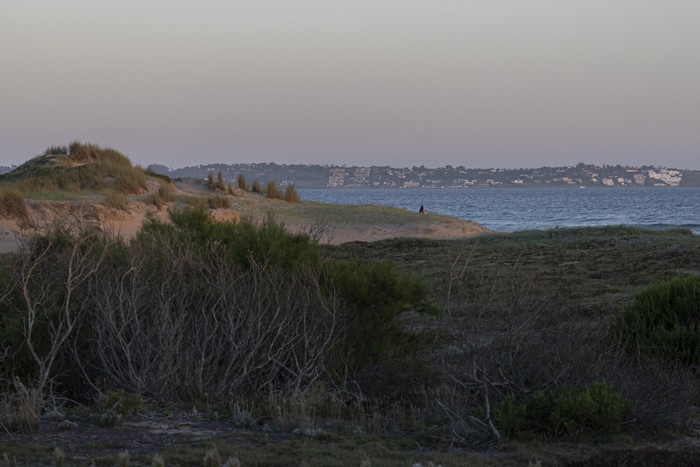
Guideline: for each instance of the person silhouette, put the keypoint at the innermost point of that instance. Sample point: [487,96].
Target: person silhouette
[421,210]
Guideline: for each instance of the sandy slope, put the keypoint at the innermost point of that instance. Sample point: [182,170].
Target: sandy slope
[330,224]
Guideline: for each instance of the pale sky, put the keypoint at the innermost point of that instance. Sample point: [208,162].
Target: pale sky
[483,83]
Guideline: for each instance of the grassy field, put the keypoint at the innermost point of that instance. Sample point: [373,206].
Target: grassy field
[574,281]
[589,272]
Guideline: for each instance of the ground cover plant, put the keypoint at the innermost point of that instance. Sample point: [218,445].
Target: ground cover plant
[336,338]
[664,321]
[74,168]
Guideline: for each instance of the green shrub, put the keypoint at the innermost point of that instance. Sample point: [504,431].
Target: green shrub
[376,294]
[238,242]
[568,413]
[664,321]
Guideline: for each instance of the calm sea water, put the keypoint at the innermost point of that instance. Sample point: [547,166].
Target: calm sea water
[509,209]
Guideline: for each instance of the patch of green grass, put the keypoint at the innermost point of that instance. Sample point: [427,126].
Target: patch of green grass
[593,271]
[664,321]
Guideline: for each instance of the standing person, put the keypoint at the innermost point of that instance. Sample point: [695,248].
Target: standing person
[421,210]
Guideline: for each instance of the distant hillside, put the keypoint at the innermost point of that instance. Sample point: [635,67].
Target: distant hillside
[332,176]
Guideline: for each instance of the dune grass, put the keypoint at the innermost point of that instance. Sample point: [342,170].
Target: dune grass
[84,167]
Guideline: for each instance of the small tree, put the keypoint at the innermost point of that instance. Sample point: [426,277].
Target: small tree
[256,188]
[242,183]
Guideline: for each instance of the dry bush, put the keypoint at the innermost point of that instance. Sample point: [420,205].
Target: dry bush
[218,202]
[255,187]
[240,336]
[42,295]
[291,195]
[271,190]
[13,206]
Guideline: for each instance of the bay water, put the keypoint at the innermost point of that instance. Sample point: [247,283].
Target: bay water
[511,209]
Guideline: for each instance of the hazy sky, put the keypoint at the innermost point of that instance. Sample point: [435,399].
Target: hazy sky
[484,83]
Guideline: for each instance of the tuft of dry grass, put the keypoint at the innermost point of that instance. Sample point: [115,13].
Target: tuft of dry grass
[212,458]
[291,195]
[157,461]
[123,459]
[271,190]
[165,194]
[218,202]
[116,200]
[28,408]
[13,205]
[59,458]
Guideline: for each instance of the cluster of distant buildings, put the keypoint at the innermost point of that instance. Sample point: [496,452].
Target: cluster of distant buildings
[333,176]
[460,177]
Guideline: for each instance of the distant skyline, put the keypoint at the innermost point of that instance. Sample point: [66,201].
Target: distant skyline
[485,83]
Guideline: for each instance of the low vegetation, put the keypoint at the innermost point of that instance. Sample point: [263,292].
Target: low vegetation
[256,305]
[597,409]
[164,195]
[569,334]
[75,168]
[664,321]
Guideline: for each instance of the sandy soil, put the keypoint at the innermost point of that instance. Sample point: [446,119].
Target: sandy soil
[361,227]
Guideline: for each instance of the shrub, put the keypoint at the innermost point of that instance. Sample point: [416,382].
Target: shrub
[290,194]
[193,307]
[242,184]
[256,188]
[271,190]
[664,321]
[569,413]
[376,294]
